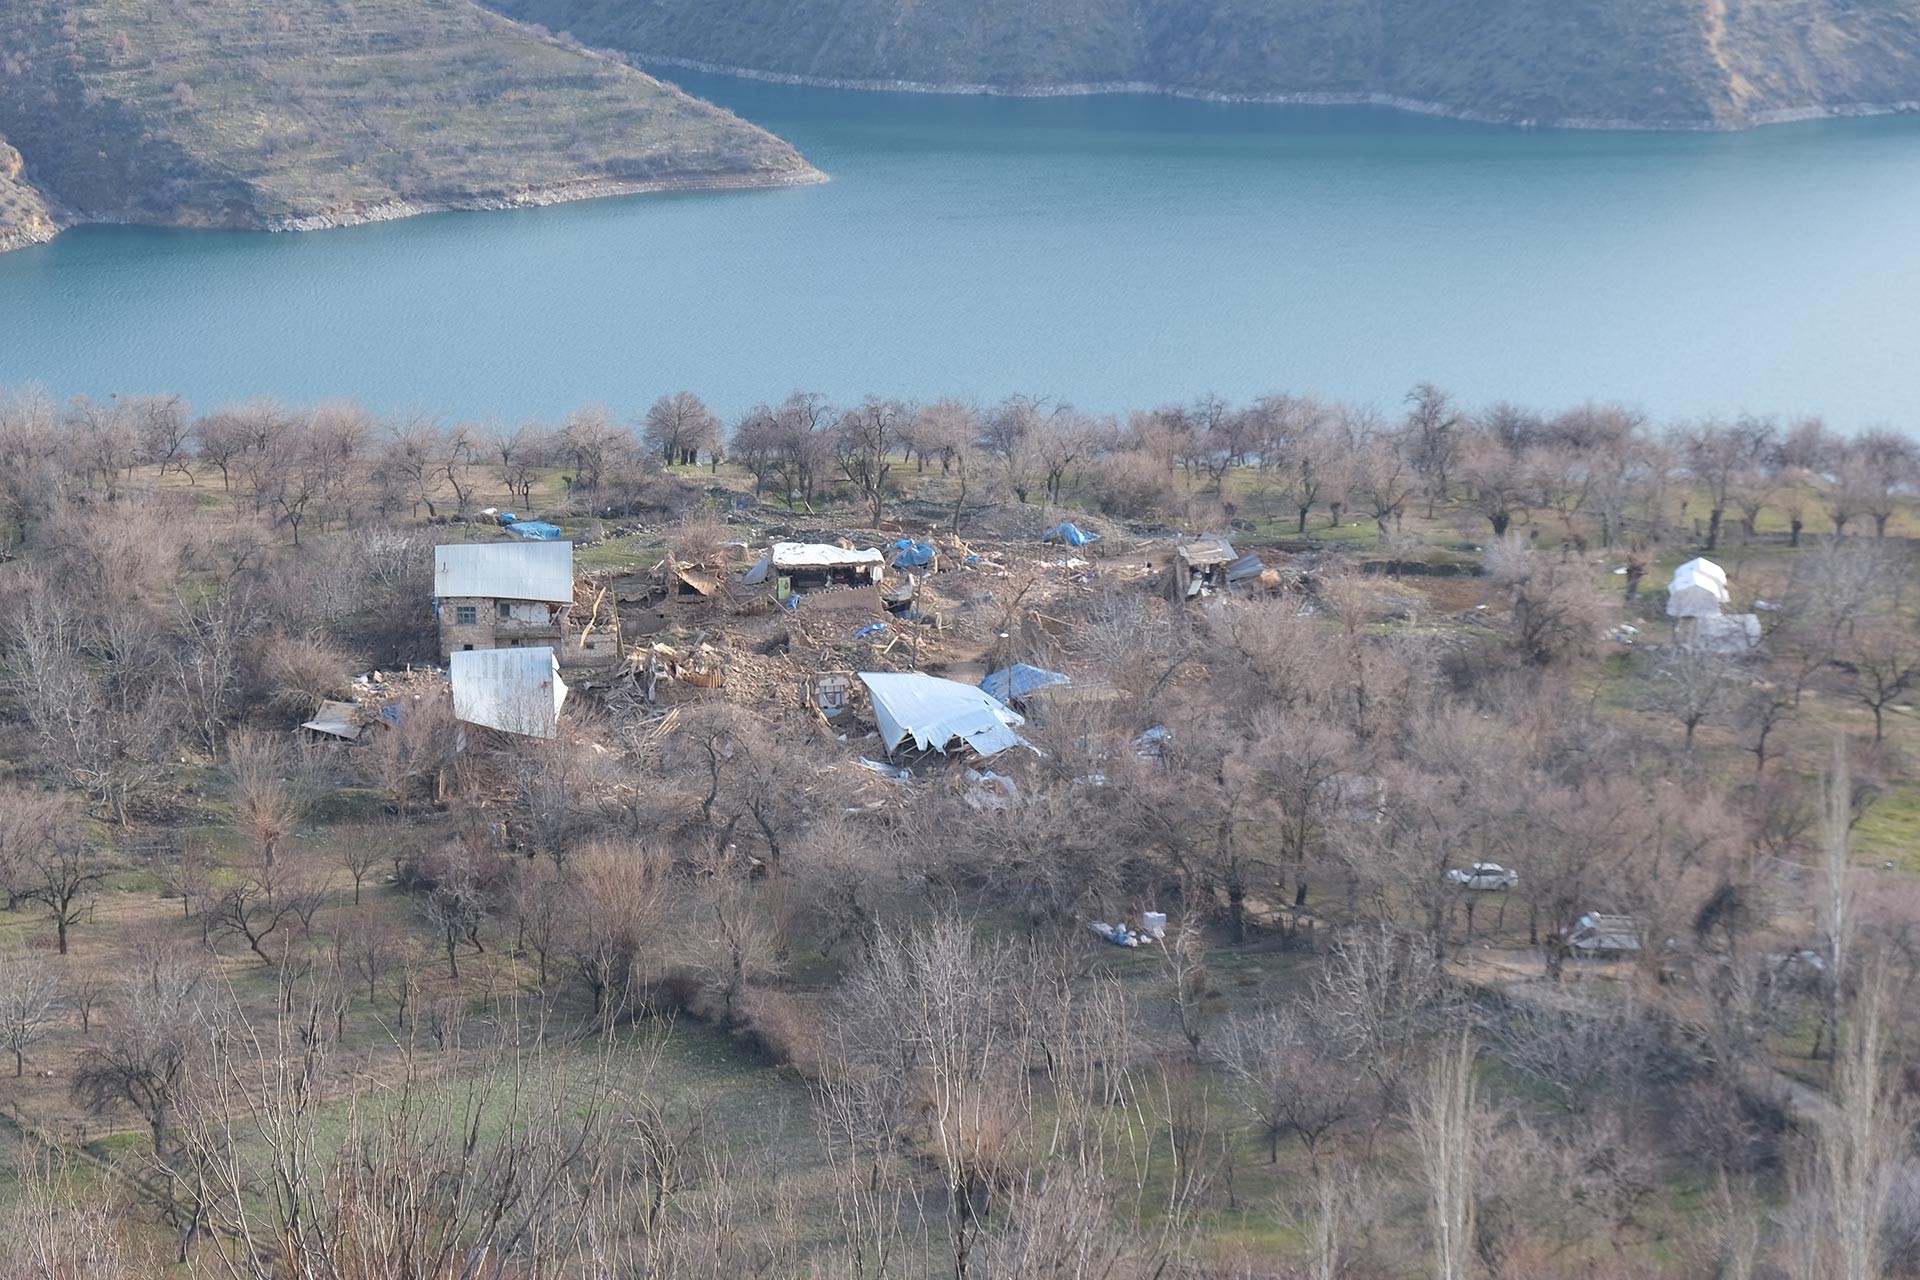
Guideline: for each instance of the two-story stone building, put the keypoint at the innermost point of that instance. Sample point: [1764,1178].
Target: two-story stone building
[514,595]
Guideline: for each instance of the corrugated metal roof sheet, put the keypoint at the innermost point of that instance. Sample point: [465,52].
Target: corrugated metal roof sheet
[933,712]
[515,690]
[336,719]
[1202,552]
[505,571]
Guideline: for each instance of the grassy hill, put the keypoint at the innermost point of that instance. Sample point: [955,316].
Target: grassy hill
[297,113]
[1679,63]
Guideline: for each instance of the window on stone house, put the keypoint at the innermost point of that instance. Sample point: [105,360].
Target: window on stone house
[466,615]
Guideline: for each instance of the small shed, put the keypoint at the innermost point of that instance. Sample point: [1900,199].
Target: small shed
[1204,565]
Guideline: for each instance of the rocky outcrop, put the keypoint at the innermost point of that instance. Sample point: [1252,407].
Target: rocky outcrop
[26,215]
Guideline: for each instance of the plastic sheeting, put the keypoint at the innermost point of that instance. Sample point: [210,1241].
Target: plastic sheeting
[1070,533]
[933,712]
[1019,680]
[535,530]
[914,555]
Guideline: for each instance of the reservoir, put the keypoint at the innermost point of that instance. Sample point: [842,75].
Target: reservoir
[1112,252]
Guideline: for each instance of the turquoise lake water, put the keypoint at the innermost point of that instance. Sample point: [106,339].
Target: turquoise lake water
[1111,252]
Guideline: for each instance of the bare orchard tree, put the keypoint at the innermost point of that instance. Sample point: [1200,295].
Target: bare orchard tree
[60,870]
[680,428]
[1290,1081]
[29,1003]
[865,441]
[146,1060]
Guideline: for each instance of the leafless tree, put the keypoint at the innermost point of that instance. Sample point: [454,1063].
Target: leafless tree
[29,1003]
[679,428]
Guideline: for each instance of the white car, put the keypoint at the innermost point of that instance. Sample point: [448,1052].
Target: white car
[1489,877]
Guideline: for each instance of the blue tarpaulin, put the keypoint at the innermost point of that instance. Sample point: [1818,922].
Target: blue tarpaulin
[1070,533]
[1019,680]
[536,529]
[914,555]
[871,629]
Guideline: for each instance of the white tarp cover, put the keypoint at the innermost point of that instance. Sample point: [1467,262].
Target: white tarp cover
[505,571]
[933,712]
[336,719]
[815,555]
[1698,590]
[1729,633]
[515,690]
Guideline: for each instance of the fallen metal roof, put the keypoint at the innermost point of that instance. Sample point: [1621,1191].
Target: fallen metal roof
[1202,552]
[515,690]
[336,719]
[505,571]
[933,712]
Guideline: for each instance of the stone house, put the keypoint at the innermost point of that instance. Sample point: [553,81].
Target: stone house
[514,595]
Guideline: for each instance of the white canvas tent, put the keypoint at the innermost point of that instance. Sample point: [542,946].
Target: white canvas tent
[933,712]
[515,690]
[818,557]
[1698,590]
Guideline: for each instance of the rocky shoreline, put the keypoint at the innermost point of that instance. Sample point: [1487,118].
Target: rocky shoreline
[1417,106]
[394,210]
[595,189]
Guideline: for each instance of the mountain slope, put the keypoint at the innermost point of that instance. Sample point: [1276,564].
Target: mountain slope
[1677,63]
[310,112]
[26,215]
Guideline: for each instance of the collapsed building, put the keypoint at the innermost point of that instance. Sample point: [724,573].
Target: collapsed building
[935,713]
[811,566]
[1210,566]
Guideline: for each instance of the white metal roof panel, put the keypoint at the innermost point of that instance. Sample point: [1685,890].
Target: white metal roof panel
[515,690]
[505,571]
[933,712]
